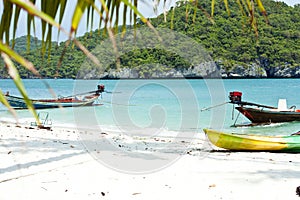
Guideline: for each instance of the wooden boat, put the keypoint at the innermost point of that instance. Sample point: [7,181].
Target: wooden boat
[262,115]
[258,113]
[243,142]
[84,99]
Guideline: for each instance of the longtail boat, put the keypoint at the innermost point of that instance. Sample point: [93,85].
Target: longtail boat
[244,142]
[258,113]
[84,99]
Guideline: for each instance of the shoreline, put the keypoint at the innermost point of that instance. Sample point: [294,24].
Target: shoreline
[43,164]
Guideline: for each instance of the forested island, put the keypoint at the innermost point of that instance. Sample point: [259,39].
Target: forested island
[237,50]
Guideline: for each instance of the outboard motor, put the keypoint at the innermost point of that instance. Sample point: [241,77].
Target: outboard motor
[101,88]
[235,97]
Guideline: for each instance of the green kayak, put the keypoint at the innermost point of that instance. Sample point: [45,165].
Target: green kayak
[243,142]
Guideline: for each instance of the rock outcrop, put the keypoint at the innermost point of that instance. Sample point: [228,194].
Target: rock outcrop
[203,70]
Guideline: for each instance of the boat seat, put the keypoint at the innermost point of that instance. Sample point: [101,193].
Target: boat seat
[282,105]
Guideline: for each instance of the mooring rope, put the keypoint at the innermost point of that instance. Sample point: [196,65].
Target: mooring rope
[204,109]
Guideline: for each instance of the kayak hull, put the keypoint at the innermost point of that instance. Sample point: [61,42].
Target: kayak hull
[243,142]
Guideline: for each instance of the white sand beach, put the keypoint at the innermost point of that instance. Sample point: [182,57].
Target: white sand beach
[43,164]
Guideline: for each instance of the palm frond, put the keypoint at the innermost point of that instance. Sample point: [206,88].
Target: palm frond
[8,51]
[5,21]
[13,72]
[4,101]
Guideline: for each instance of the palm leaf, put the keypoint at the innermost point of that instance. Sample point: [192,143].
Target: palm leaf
[13,72]
[79,10]
[8,51]
[30,20]
[227,7]
[204,12]
[4,101]
[195,11]
[16,19]
[124,19]
[5,20]
[212,7]
[172,19]
[262,10]
[90,16]
[63,4]
[241,6]
[32,10]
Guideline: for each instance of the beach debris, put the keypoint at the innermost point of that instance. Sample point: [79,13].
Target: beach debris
[29,127]
[103,193]
[298,191]
[136,193]
[9,152]
[212,185]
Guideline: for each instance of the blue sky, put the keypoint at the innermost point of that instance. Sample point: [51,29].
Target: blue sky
[145,6]
[291,2]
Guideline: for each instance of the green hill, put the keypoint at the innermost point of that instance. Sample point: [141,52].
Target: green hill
[21,44]
[230,41]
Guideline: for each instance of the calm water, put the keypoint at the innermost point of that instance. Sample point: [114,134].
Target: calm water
[173,105]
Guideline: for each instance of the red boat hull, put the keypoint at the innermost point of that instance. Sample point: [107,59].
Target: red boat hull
[263,115]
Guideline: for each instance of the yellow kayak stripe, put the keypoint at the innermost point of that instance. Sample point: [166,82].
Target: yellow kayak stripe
[245,142]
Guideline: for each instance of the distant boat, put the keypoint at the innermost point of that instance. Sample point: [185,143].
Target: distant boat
[258,113]
[243,142]
[84,99]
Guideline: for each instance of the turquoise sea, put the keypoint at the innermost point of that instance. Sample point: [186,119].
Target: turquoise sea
[172,105]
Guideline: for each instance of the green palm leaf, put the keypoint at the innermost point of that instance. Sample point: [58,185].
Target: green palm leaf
[13,72]
[4,101]
[8,51]
[79,10]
